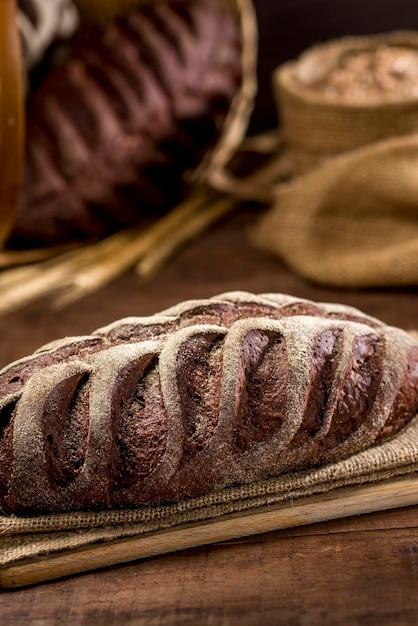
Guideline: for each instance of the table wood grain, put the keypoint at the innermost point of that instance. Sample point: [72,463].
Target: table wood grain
[360,570]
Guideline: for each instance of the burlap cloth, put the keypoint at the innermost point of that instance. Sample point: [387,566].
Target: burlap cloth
[349,215]
[24,537]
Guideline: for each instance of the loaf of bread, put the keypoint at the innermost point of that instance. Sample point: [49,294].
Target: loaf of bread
[207,394]
[112,132]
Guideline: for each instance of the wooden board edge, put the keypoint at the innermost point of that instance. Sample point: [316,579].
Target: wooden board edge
[339,503]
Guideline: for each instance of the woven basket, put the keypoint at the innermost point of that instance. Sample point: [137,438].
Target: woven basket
[11,103]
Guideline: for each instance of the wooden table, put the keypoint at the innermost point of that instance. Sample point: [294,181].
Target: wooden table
[361,570]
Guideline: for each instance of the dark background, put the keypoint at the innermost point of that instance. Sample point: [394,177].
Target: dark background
[286,27]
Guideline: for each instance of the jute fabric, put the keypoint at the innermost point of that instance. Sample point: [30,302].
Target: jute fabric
[314,121]
[349,215]
[24,537]
[352,222]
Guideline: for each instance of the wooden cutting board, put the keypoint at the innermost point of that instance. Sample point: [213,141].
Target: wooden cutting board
[339,503]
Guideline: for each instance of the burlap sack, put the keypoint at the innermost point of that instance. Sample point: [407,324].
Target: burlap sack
[351,222]
[349,216]
[314,121]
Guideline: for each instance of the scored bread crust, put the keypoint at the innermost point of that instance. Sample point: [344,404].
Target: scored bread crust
[206,394]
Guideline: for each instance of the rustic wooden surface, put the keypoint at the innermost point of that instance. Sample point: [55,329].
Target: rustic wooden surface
[336,504]
[361,570]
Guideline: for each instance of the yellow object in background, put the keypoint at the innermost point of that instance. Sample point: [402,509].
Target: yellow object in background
[11,117]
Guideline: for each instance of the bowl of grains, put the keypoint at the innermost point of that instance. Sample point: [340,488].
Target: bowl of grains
[349,92]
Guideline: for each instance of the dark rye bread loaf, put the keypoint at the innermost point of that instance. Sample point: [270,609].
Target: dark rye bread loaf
[112,132]
[206,394]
